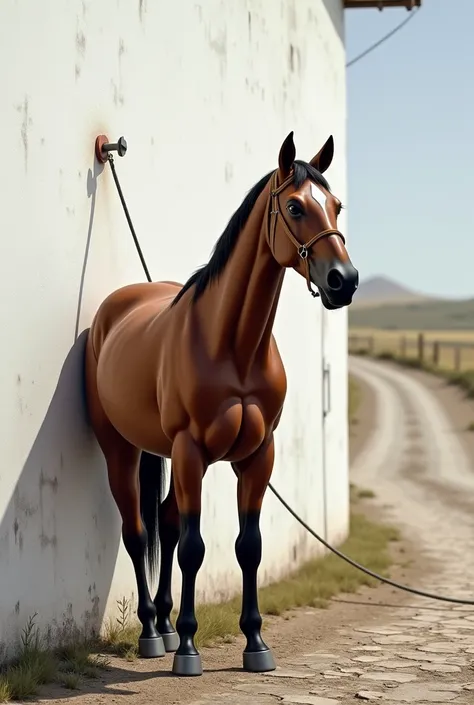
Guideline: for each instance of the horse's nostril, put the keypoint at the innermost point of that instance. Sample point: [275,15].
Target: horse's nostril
[335,280]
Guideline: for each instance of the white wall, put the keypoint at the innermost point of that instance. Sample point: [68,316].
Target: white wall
[204,93]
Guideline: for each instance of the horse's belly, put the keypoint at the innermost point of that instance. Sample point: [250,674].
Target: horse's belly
[237,432]
[129,401]
[141,427]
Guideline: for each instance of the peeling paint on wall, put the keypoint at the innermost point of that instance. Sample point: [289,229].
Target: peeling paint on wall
[26,123]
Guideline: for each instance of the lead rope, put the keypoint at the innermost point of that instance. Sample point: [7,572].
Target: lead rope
[319,538]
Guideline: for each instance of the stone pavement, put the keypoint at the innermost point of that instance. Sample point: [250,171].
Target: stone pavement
[420,656]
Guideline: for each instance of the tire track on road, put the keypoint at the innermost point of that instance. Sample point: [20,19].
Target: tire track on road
[414,460]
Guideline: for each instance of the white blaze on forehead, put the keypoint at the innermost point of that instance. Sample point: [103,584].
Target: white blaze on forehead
[320,197]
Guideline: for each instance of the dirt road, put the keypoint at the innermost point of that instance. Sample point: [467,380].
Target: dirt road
[420,463]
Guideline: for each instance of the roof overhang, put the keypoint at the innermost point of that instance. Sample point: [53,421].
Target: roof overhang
[380,4]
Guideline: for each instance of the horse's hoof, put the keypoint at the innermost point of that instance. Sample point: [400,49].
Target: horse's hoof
[171,641]
[151,648]
[259,661]
[187,665]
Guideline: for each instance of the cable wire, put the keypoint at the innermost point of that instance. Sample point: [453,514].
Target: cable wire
[383,39]
[405,588]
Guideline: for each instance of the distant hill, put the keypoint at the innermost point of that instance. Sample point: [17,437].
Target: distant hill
[416,315]
[383,303]
[383,290]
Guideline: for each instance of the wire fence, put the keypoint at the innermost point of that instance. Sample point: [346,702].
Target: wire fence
[436,350]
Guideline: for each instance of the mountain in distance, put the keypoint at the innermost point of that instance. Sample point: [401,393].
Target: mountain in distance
[379,290]
[385,304]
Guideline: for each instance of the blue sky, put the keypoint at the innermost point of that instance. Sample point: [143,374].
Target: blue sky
[411,147]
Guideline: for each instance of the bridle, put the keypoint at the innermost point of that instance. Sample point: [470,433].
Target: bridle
[302,248]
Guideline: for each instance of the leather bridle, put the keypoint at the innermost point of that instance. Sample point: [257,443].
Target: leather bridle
[302,248]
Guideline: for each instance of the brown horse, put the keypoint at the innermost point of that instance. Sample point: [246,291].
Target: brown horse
[193,373]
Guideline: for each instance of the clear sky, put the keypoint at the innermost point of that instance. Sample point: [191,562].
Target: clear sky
[411,146]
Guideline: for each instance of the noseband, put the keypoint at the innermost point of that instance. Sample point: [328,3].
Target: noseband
[302,248]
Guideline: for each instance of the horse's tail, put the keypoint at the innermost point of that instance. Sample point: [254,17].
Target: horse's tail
[152,489]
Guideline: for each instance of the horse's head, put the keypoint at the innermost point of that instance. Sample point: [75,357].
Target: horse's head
[302,225]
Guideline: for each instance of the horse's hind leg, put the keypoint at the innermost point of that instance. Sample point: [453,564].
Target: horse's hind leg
[253,477]
[123,479]
[123,466]
[168,519]
[151,472]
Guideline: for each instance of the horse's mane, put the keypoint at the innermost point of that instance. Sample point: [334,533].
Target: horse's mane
[225,245]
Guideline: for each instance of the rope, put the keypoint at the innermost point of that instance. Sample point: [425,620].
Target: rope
[127,215]
[338,553]
[383,39]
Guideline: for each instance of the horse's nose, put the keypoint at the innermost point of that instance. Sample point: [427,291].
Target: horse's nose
[342,280]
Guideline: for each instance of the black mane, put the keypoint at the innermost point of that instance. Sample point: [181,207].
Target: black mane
[224,247]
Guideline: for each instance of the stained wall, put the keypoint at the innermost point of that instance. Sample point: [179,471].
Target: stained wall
[204,92]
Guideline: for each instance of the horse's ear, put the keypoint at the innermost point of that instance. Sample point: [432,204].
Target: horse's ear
[287,156]
[323,159]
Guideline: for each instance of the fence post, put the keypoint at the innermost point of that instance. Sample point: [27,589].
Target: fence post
[421,347]
[435,353]
[457,358]
[403,346]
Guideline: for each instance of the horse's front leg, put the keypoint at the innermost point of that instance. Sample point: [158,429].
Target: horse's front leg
[253,477]
[168,520]
[188,471]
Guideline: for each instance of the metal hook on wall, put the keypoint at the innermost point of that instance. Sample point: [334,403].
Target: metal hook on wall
[103,147]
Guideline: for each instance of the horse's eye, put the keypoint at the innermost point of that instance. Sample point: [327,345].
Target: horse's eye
[294,210]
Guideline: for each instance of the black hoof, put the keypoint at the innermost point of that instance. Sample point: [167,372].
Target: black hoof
[171,641]
[259,661]
[187,665]
[151,648]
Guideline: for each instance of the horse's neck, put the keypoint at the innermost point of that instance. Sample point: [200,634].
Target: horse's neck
[245,298]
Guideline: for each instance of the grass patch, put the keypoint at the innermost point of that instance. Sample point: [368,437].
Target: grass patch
[122,641]
[5,690]
[411,362]
[80,660]
[71,681]
[465,380]
[365,494]
[385,355]
[36,665]
[354,400]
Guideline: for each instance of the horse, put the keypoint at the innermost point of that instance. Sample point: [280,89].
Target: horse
[192,373]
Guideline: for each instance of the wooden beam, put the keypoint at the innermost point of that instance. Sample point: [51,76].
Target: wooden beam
[381,4]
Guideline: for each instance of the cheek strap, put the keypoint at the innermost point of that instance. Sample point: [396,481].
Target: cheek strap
[303,249]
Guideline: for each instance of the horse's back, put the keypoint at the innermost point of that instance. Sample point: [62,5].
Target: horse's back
[140,301]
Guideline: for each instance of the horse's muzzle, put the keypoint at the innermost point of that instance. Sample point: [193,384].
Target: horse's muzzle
[337,282]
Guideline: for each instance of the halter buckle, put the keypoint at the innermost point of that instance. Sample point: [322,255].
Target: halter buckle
[303,252]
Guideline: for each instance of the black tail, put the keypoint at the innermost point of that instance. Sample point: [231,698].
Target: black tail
[152,489]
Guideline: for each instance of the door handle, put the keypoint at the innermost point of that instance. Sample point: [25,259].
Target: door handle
[326,386]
